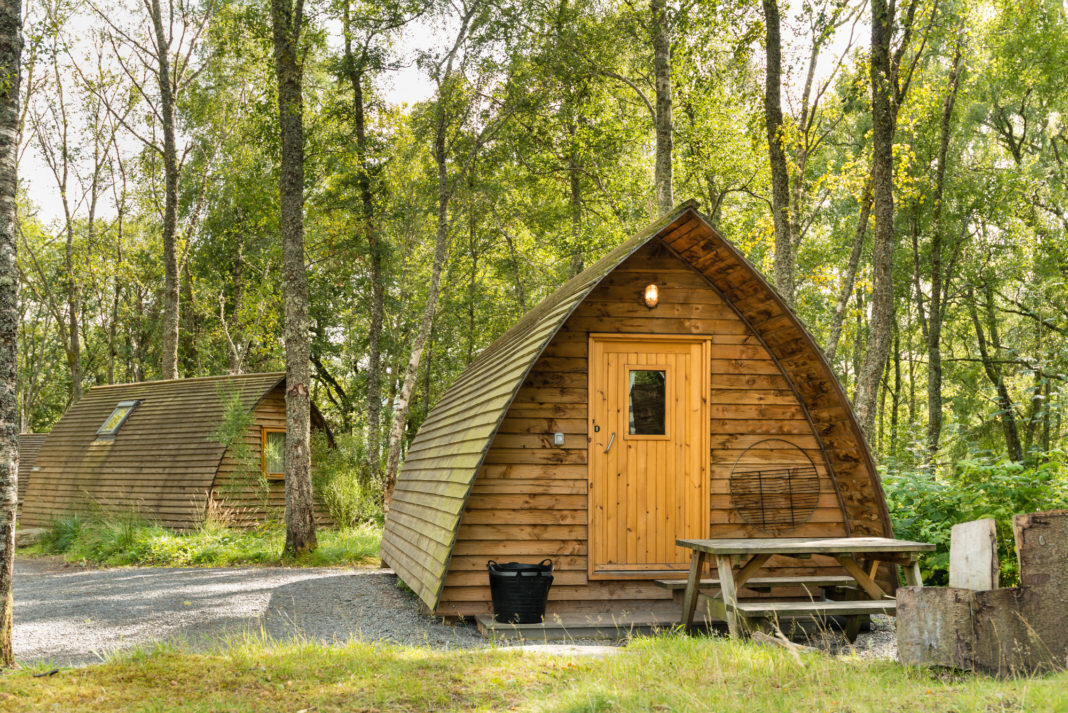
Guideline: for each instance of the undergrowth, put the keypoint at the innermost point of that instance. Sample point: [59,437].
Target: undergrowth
[127,539]
[925,505]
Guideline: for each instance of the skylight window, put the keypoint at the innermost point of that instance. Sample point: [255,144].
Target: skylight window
[118,417]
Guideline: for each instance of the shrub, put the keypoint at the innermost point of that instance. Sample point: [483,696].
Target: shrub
[237,419]
[351,494]
[63,533]
[924,505]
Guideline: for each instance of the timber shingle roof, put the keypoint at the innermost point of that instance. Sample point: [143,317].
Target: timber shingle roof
[162,460]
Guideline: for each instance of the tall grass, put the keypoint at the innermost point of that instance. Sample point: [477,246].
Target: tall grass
[671,673]
[127,539]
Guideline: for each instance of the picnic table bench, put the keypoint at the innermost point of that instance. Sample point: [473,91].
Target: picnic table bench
[757,551]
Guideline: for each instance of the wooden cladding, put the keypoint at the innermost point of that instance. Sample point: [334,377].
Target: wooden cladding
[747,396]
[164,461]
[29,445]
[485,478]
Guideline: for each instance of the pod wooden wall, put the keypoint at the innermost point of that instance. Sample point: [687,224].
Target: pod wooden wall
[529,502]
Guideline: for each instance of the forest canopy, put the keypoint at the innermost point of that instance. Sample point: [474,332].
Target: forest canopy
[502,146]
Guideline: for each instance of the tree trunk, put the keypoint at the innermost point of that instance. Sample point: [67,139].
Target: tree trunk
[404,398]
[10,49]
[354,70]
[665,201]
[472,275]
[882,180]
[520,292]
[190,321]
[780,177]
[892,450]
[234,331]
[74,343]
[575,202]
[169,356]
[402,402]
[939,284]
[850,280]
[858,340]
[1007,412]
[879,440]
[287,19]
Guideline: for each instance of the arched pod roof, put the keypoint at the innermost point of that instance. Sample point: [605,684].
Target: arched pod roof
[161,461]
[449,449]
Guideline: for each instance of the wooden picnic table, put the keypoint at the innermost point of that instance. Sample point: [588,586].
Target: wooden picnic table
[845,550]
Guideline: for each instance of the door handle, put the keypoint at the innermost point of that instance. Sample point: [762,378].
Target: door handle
[610,441]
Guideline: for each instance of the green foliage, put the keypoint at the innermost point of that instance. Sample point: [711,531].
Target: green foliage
[565,176]
[924,506]
[104,538]
[63,533]
[343,482]
[233,431]
[129,540]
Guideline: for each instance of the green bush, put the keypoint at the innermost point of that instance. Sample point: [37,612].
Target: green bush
[351,494]
[924,505]
[63,533]
[237,419]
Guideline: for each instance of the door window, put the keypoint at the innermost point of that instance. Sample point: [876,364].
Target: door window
[647,389]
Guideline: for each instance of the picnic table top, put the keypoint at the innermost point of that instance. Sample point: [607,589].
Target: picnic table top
[803,545]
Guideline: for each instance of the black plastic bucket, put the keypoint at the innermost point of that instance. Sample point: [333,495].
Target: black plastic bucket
[520,591]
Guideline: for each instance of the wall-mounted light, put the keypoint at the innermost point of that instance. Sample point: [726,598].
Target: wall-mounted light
[652,295]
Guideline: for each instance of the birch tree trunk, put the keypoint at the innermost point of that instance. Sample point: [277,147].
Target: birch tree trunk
[169,353]
[939,281]
[665,200]
[445,77]
[780,177]
[1006,408]
[850,281]
[287,19]
[574,184]
[441,238]
[883,241]
[354,69]
[10,50]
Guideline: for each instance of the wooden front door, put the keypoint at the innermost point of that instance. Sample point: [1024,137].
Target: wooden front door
[649,453]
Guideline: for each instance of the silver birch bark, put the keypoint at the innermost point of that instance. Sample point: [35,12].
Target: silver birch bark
[10,50]
[287,19]
[665,199]
[882,175]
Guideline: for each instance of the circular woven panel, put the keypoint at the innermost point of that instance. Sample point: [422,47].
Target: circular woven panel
[774,486]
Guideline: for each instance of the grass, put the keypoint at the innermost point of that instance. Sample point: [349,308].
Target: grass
[671,673]
[127,540]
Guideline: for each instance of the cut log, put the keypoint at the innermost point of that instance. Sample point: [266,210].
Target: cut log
[934,627]
[1042,547]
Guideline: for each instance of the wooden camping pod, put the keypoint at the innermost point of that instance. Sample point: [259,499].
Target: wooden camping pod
[165,462]
[29,445]
[738,386]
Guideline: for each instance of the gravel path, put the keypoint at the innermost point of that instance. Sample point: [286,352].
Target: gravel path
[72,615]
